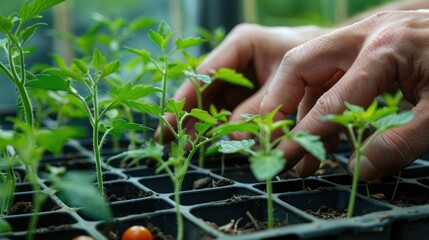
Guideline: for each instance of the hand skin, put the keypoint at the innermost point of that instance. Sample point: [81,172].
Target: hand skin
[355,64]
[256,52]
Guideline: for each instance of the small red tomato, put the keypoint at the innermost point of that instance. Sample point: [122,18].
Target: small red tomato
[83,238]
[137,233]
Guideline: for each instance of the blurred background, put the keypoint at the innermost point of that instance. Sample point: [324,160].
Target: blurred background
[73,18]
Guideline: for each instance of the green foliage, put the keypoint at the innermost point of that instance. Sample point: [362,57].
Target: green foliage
[5,226]
[85,197]
[357,120]
[268,162]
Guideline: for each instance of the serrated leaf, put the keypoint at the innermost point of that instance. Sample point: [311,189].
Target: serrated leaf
[6,23]
[189,42]
[110,68]
[233,77]
[156,38]
[98,60]
[236,146]
[175,107]
[49,82]
[203,116]
[311,144]
[141,23]
[354,108]
[202,127]
[33,9]
[28,32]
[266,166]
[232,127]
[395,120]
[344,119]
[140,52]
[152,109]
[80,65]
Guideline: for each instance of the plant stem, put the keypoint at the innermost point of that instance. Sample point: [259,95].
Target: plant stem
[269,186]
[177,187]
[163,95]
[26,102]
[95,143]
[132,132]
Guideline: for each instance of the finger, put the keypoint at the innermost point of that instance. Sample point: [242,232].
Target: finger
[396,148]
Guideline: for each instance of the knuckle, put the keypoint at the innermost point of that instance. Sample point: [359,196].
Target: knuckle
[246,29]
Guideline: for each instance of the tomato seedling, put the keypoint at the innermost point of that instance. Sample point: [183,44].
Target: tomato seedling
[267,162]
[357,120]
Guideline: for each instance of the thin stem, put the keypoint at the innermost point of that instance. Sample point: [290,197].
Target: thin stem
[368,194]
[8,73]
[28,109]
[132,132]
[179,217]
[270,203]
[95,143]
[163,95]
[396,187]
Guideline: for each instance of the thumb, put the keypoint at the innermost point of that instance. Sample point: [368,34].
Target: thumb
[395,148]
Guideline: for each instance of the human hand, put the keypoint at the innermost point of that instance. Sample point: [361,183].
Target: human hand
[356,64]
[256,52]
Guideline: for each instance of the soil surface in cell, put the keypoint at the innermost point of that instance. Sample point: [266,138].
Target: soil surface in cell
[25,208]
[402,199]
[128,196]
[208,182]
[325,212]
[249,227]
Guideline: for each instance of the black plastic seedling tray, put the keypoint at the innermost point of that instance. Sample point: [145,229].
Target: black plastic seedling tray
[144,197]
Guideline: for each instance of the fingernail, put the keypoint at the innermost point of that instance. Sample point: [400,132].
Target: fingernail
[367,169]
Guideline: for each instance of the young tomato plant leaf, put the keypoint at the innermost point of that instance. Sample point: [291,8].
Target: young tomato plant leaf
[33,9]
[156,38]
[110,68]
[267,165]
[29,31]
[98,60]
[140,52]
[233,77]
[202,115]
[49,82]
[53,140]
[189,42]
[231,127]
[175,107]
[152,109]
[392,121]
[85,197]
[6,23]
[311,144]
[236,146]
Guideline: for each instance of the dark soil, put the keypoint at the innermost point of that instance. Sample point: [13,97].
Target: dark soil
[250,226]
[402,200]
[208,182]
[157,233]
[21,208]
[128,196]
[325,212]
[236,198]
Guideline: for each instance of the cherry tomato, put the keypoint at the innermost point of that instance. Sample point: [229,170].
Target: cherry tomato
[137,233]
[83,238]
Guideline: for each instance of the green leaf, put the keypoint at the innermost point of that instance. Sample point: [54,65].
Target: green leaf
[85,197]
[6,24]
[98,60]
[236,146]
[175,107]
[134,93]
[7,138]
[266,166]
[152,109]
[140,52]
[344,119]
[120,125]
[33,9]
[311,144]
[110,68]
[354,108]
[232,127]
[80,65]
[141,23]
[164,29]
[188,42]
[395,120]
[5,226]
[49,82]
[202,77]
[156,38]
[53,140]
[203,116]
[28,32]
[231,76]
